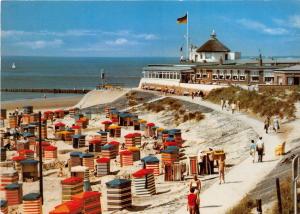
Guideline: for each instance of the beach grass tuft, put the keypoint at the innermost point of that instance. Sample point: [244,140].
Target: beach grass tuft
[245,206]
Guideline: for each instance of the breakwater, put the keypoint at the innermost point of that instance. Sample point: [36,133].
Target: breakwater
[47,90]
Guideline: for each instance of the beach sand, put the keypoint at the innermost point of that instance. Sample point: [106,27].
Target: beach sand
[218,130]
[49,103]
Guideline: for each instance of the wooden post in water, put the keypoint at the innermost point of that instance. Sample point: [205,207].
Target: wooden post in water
[41,158]
[278,196]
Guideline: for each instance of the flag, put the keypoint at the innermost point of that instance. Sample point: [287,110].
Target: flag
[182,20]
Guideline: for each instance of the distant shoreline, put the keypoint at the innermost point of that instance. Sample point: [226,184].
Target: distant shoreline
[41,103]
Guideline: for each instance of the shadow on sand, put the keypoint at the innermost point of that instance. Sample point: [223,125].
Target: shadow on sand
[138,208]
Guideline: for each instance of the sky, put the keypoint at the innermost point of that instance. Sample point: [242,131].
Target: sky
[138,29]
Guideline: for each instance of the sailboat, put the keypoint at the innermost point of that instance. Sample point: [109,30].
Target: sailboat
[13,66]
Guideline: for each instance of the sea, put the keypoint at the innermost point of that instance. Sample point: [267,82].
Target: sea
[70,73]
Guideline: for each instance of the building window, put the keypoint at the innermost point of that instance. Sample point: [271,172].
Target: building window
[242,75]
[228,75]
[221,75]
[269,79]
[254,76]
[198,76]
[204,74]
[215,75]
[235,75]
[208,56]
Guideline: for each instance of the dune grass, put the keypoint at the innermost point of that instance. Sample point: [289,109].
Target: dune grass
[286,198]
[245,206]
[267,103]
[171,104]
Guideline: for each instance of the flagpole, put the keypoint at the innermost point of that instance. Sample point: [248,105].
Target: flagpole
[187,36]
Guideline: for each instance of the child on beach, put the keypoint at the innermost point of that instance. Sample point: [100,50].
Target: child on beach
[192,201]
[252,150]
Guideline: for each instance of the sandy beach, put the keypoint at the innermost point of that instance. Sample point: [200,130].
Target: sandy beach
[219,130]
[40,103]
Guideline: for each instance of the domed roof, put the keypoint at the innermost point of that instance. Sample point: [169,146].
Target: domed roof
[213,45]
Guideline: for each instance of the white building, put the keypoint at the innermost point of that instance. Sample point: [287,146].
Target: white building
[213,51]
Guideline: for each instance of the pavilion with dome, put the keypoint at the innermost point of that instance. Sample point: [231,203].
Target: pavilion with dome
[212,51]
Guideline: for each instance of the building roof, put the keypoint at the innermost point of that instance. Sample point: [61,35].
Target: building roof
[150,159]
[291,69]
[118,183]
[31,197]
[213,45]
[173,68]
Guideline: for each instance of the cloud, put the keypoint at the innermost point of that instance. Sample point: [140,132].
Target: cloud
[80,33]
[294,21]
[147,36]
[39,44]
[258,26]
[121,42]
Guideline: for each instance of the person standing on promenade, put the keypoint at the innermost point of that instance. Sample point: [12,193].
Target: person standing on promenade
[238,105]
[221,170]
[222,103]
[233,107]
[253,150]
[201,161]
[260,147]
[267,124]
[196,185]
[211,161]
[227,106]
[192,201]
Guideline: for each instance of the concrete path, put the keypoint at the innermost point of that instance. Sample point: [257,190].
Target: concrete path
[241,178]
[97,97]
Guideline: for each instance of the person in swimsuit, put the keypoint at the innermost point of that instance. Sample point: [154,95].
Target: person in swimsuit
[192,201]
[222,170]
[196,185]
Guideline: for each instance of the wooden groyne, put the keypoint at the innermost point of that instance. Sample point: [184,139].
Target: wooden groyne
[47,90]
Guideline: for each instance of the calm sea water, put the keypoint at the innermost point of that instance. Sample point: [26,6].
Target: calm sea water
[69,72]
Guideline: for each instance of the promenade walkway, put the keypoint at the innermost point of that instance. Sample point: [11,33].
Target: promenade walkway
[241,178]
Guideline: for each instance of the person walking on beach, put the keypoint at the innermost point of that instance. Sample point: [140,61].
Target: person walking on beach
[276,124]
[221,170]
[267,124]
[222,103]
[227,105]
[192,202]
[260,147]
[238,103]
[233,107]
[253,150]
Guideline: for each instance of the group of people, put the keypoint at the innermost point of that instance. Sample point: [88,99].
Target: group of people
[268,124]
[259,148]
[233,106]
[197,94]
[193,198]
